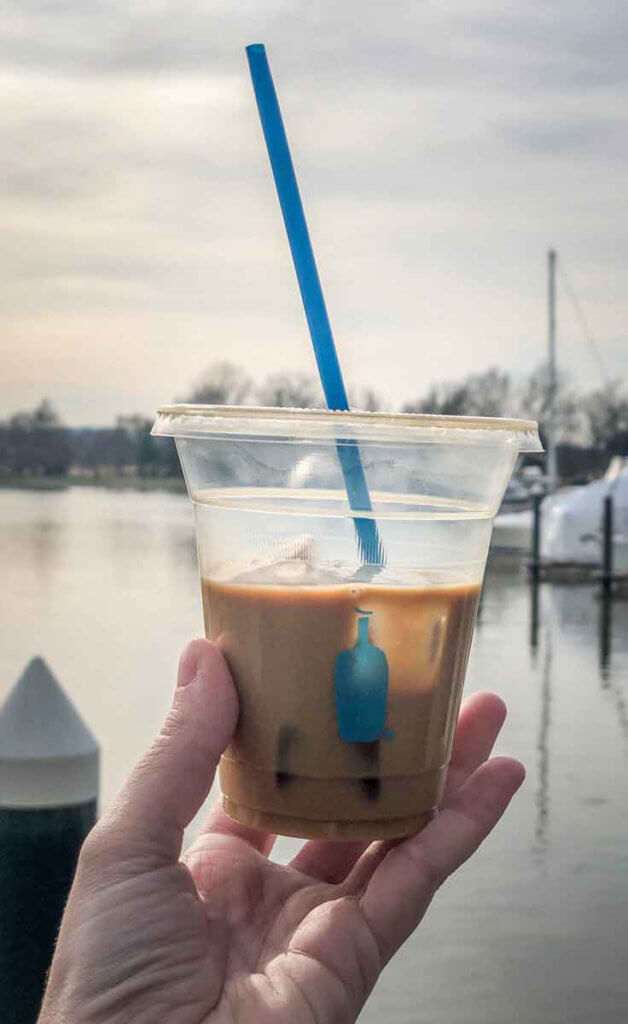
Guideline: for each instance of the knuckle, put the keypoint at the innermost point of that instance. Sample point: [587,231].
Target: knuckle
[176,721]
[107,853]
[93,848]
[415,854]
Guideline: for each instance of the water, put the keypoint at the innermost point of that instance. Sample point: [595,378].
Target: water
[103,584]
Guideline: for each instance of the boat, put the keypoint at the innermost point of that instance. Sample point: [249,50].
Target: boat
[572,528]
[516,496]
[571,518]
[512,532]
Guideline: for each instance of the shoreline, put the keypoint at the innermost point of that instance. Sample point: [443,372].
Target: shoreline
[110,481]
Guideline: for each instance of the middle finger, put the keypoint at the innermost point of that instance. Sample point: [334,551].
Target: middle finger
[481,718]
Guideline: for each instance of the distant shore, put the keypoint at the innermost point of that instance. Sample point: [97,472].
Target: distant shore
[111,481]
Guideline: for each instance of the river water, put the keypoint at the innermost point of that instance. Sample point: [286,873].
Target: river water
[103,584]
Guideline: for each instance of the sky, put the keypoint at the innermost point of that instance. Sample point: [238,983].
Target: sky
[441,148]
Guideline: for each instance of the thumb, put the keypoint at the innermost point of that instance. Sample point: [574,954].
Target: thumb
[169,784]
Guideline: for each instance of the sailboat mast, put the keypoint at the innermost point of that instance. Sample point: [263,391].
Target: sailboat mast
[552,469]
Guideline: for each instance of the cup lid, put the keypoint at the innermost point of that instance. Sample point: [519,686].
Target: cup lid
[323,425]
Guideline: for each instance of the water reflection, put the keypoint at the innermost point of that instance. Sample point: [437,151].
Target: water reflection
[542,795]
[609,683]
[619,703]
[577,609]
[502,584]
[33,536]
[518,926]
[181,548]
[574,610]
[606,627]
[534,617]
[542,799]
[578,613]
[569,610]
[46,539]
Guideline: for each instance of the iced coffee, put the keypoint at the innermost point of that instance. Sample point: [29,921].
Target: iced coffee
[348,701]
[348,656]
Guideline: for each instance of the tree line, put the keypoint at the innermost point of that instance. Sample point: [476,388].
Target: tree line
[590,427]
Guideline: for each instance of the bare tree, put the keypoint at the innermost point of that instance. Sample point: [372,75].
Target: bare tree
[43,415]
[489,393]
[101,448]
[480,394]
[366,400]
[290,390]
[222,384]
[445,399]
[606,411]
[35,443]
[534,403]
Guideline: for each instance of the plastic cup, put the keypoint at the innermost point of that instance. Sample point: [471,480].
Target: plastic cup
[349,674]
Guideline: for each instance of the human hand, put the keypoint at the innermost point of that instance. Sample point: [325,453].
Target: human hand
[226,935]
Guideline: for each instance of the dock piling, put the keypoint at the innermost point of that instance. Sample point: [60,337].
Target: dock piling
[49,769]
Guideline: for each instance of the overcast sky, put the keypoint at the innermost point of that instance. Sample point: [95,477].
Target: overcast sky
[442,147]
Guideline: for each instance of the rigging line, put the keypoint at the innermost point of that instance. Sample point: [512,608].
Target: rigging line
[583,321]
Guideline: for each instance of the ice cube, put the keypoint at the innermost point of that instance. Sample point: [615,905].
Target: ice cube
[264,563]
[292,572]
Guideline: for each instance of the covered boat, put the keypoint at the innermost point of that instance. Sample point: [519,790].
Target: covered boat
[572,522]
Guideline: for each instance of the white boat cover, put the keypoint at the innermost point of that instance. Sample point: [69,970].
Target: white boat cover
[572,521]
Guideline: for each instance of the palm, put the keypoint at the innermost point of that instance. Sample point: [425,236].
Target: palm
[226,935]
[292,947]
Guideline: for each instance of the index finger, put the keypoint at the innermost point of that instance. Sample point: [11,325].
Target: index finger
[481,718]
[403,885]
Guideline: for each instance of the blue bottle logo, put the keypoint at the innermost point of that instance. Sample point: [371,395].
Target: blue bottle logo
[361,688]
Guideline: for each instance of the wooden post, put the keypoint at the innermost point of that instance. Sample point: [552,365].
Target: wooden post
[534,614]
[535,554]
[607,546]
[49,768]
[606,632]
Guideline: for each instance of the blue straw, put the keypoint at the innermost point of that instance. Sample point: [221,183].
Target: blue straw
[312,295]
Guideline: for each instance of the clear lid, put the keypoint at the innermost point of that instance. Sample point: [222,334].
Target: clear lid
[321,425]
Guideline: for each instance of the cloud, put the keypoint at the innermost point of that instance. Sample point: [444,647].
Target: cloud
[577,136]
[468,42]
[440,150]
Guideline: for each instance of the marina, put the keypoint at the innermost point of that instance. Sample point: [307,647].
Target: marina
[520,921]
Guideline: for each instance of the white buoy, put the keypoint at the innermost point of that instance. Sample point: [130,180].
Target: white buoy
[49,780]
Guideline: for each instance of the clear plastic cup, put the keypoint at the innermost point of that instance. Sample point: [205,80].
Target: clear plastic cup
[349,672]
